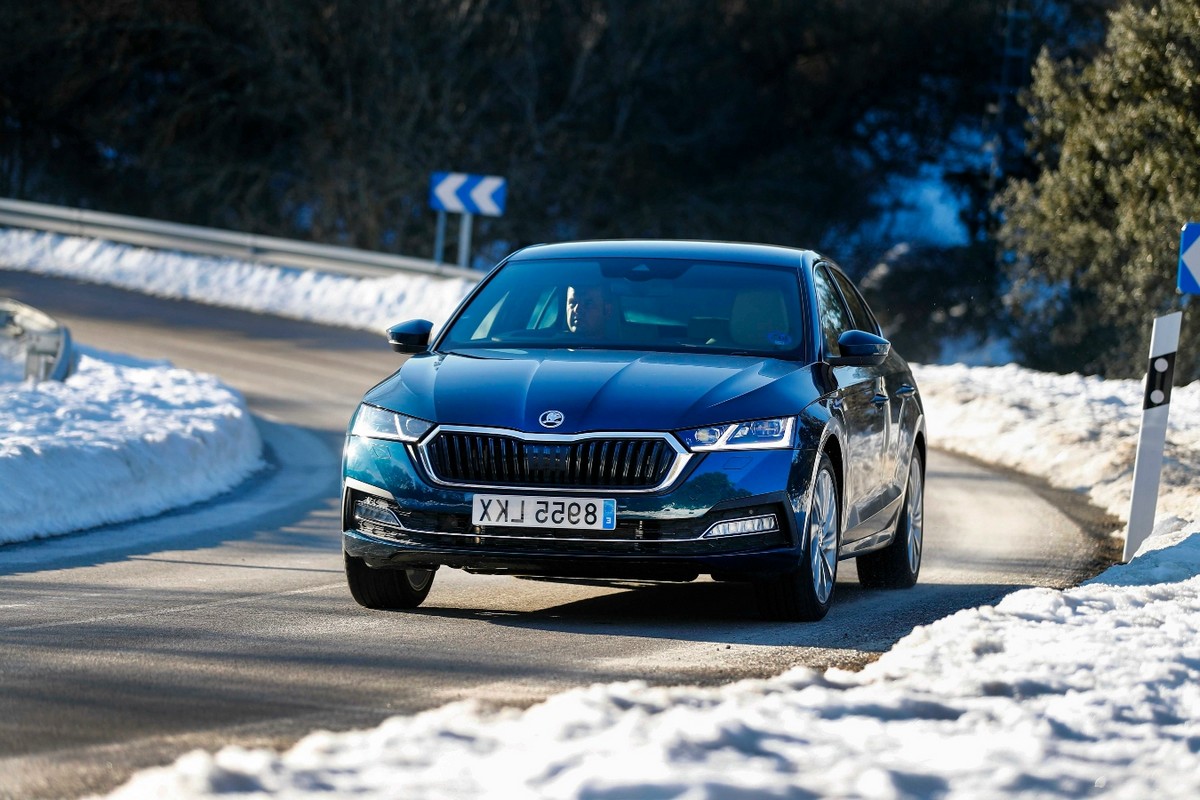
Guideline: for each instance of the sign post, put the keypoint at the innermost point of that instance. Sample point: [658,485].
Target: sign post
[439,242]
[1156,405]
[467,195]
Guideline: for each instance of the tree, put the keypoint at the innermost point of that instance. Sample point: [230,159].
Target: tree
[1093,241]
[773,120]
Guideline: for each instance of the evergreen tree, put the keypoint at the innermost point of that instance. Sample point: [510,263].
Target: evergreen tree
[1094,240]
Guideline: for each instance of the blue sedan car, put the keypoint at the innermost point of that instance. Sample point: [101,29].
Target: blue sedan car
[653,410]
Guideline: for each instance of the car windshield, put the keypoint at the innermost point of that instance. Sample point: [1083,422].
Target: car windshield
[667,305]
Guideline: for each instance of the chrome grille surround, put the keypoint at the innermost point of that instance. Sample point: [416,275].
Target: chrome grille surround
[601,462]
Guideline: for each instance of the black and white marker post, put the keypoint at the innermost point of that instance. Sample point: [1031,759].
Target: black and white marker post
[1147,469]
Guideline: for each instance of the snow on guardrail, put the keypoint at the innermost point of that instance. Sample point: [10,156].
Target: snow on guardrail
[215,242]
[369,303]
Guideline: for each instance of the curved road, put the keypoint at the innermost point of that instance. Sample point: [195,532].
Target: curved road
[230,622]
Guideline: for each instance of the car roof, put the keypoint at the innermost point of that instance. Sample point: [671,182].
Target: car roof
[671,248]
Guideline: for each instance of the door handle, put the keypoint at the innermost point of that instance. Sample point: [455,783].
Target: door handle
[880,398]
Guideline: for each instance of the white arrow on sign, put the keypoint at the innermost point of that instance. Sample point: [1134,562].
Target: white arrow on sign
[446,192]
[482,195]
[1191,259]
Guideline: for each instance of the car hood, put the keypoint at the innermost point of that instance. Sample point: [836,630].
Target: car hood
[594,389]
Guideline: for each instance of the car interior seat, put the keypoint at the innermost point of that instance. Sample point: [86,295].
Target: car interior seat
[759,319]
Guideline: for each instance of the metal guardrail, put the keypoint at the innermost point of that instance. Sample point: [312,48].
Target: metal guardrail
[48,350]
[211,241]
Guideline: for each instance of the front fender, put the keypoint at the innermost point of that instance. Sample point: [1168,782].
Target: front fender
[821,429]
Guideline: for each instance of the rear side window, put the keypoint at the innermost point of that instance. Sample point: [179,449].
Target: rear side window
[861,316]
[835,319]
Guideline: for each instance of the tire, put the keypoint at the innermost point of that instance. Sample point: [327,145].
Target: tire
[898,565]
[387,588]
[806,593]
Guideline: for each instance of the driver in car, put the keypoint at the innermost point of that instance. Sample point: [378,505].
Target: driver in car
[588,310]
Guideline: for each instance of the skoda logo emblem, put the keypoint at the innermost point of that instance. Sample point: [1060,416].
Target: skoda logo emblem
[551,419]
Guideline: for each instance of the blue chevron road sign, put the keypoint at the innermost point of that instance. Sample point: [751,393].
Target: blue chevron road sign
[468,194]
[1189,259]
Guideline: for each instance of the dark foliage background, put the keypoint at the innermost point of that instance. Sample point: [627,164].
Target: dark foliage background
[767,120]
[786,121]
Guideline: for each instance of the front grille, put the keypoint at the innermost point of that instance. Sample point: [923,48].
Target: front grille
[489,459]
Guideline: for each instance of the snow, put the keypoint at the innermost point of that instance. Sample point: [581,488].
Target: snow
[371,304]
[925,209]
[1090,691]
[122,439]
[1079,432]
[114,429]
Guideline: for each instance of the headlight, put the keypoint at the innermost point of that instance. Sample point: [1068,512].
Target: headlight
[760,434]
[379,423]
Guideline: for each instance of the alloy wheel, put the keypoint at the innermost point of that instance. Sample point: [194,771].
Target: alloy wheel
[916,515]
[823,536]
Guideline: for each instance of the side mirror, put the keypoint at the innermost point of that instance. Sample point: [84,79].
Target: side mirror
[411,336]
[861,349]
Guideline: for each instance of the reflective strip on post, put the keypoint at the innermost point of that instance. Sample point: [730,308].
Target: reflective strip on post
[1156,404]
[1160,374]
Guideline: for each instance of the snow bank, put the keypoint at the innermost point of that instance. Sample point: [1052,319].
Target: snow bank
[367,303]
[128,439]
[121,438]
[1078,432]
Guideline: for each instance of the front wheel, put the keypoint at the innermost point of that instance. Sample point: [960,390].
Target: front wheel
[898,565]
[387,588]
[806,593]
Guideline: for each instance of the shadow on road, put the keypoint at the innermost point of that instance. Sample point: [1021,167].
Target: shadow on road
[726,613]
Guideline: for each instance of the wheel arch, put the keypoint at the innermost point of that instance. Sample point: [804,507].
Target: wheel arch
[833,448]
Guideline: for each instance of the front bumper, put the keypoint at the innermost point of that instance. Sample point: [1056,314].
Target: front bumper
[393,516]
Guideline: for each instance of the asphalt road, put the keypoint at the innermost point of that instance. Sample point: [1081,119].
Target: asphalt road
[230,622]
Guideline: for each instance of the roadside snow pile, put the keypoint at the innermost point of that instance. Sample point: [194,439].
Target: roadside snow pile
[1092,691]
[1077,432]
[367,303]
[123,438]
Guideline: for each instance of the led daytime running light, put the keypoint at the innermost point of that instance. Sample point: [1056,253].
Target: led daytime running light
[762,434]
[379,423]
[746,526]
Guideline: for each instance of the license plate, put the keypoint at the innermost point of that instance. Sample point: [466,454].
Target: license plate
[576,513]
